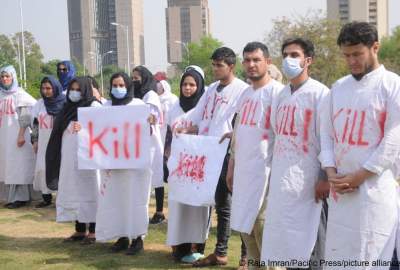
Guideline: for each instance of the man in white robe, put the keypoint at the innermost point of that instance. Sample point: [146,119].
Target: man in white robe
[360,142]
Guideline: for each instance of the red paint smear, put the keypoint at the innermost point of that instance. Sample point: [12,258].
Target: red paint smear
[96,141]
[283,116]
[351,141]
[137,140]
[252,123]
[334,195]
[248,112]
[381,121]
[191,167]
[346,126]
[126,148]
[286,119]
[333,120]
[244,113]
[361,131]
[307,122]
[268,118]
[292,130]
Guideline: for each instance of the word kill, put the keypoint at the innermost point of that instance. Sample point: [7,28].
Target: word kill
[191,167]
[131,136]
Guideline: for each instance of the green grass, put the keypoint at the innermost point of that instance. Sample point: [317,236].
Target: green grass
[31,239]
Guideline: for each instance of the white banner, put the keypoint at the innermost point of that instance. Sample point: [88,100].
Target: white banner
[114,137]
[194,168]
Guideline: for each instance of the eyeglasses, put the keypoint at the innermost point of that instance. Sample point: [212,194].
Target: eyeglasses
[63,69]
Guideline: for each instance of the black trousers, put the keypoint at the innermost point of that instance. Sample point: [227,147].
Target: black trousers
[81,227]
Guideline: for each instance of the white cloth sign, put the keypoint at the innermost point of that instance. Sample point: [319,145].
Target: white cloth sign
[194,169]
[116,137]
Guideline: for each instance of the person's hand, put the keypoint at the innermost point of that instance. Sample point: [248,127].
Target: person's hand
[229,174]
[151,119]
[35,147]
[346,183]
[20,140]
[226,136]
[322,189]
[76,127]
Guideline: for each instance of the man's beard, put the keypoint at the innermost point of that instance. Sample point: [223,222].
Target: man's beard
[257,78]
[359,76]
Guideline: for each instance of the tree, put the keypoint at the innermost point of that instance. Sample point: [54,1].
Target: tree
[199,53]
[329,64]
[389,52]
[8,53]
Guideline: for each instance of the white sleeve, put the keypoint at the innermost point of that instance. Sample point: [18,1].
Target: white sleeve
[197,112]
[388,150]
[327,155]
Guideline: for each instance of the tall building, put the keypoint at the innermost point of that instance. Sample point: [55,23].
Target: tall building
[187,21]
[372,11]
[92,34]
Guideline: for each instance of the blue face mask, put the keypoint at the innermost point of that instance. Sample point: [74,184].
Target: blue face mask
[74,95]
[119,92]
[291,67]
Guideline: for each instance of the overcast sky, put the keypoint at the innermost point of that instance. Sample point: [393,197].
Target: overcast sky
[234,22]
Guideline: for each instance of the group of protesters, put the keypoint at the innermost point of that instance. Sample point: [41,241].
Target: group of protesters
[295,151]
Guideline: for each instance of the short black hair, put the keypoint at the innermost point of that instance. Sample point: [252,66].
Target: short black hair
[224,54]
[306,45]
[254,45]
[355,33]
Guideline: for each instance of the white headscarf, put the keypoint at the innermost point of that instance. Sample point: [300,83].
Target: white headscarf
[10,70]
[167,95]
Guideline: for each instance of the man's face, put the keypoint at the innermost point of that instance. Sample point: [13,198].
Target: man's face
[255,64]
[295,51]
[62,69]
[359,58]
[221,70]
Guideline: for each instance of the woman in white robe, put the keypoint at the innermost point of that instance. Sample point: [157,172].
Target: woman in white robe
[187,225]
[125,193]
[77,189]
[43,114]
[16,152]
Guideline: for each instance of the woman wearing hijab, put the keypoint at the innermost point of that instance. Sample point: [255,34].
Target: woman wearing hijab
[187,225]
[16,152]
[65,72]
[168,100]
[77,189]
[125,193]
[145,87]
[43,113]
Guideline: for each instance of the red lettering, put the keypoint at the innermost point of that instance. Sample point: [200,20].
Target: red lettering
[244,112]
[361,130]
[283,116]
[252,123]
[286,118]
[346,126]
[116,143]
[191,167]
[138,129]
[381,121]
[42,121]
[307,122]
[333,120]
[351,141]
[125,143]
[292,130]
[96,140]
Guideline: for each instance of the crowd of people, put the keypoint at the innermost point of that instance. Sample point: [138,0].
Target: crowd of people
[295,151]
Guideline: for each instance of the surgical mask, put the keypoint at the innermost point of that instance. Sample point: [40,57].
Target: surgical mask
[119,92]
[291,67]
[74,95]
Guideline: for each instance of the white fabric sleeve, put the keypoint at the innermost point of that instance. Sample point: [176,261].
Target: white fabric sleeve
[327,155]
[388,150]
[24,116]
[197,112]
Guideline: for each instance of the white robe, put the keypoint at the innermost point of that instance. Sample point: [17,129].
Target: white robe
[214,112]
[16,163]
[168,101]
[77,189]
[123,201]
[253,148]
[292,215]
[360,128]
[157,148]
[186,223]
[45,127]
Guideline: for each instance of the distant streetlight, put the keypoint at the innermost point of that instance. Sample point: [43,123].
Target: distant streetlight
[127,43]
[92,55]
[186,48]
[101,70]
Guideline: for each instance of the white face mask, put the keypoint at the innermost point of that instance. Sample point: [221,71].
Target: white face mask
[74,95]
[291,67]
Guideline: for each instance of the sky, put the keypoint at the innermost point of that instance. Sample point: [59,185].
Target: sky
[234,22]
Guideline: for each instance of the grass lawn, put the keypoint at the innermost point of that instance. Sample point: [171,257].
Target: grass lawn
[31,239]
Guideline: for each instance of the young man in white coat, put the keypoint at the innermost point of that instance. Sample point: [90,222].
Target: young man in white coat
[360,142]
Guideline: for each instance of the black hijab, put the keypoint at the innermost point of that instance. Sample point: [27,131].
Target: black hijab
[55,103]
[128,84]
[148,82]
[188,103]
[68,113]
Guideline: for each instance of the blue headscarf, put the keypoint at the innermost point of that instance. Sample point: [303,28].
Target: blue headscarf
[65,78]
[55,103]
[14,85]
